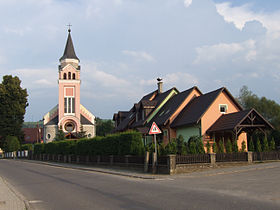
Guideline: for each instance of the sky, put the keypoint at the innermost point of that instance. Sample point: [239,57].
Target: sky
[124,45]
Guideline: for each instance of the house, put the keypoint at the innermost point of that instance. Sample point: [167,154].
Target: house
[215,116]
[33,135]
[68,115]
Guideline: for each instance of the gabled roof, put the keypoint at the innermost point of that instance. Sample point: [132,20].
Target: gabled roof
[237,119]
[193,112]
[84,121]
[154,99]
[69,51]
[171,106]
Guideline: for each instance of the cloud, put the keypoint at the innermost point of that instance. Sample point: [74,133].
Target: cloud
[222,51]
[239,15]
[187,3]
[139,55]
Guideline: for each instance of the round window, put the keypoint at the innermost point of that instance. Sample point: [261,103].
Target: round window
[69,127]
[89,135]
[48,136]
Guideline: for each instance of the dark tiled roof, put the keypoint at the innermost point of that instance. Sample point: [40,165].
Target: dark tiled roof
[69,51]
[53,121]
[233,120]
[192,113]
[228,121]
[170,107]
[146,103]
[85,121]
[125,123]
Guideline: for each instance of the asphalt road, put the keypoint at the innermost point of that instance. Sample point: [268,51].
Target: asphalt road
[47,187]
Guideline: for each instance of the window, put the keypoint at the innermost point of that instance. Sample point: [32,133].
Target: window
[74,76]
[64,76]
[48,136]
[69,126]
[69,105]
[69,75]
[223,108]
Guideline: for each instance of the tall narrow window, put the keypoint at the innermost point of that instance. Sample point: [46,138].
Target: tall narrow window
[74,76]
[69,75]
[69,105]
[64,76]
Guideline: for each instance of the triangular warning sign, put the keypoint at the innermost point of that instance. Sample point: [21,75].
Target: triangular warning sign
[154,129]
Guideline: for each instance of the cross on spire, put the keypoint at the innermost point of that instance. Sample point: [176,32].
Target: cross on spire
[69,27]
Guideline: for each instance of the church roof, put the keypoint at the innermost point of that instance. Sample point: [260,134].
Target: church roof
[69,51]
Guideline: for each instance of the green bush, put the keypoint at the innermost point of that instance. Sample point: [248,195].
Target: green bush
[251,146]
[228,146]
[221,147]
[259,146]
[234,146]
[243,146]
[28,147]
[200,147]
[180,143]
[208,146]
[12,144]
[192,148]
[214,147]
[272,144]
[265,144]
[127,143]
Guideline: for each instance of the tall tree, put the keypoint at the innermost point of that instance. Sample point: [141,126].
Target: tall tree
[13,102]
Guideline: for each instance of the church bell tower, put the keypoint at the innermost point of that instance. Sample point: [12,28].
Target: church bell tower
[69,89]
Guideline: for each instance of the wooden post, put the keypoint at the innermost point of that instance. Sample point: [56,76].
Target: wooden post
[171,164]
[146,161]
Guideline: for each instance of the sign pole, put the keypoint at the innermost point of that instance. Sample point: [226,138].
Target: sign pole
[155,140]
[153,131]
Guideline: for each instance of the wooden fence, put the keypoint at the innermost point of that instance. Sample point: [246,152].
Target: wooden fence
[231,157]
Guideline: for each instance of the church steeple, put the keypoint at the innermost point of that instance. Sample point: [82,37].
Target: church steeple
[69,52]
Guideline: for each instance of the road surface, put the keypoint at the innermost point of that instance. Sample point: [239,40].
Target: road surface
[47,187]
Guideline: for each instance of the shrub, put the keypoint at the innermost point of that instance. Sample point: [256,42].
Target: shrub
[193,148]
[12,144]
[214,147]
[234,146]
[39,148]
[228,146]
[243,146]
[180,141]
[258,146]
[221,147]
[28,147]
[208,146]
[251,146]
[200,147]
[184,149]
[272,144]
[265,145]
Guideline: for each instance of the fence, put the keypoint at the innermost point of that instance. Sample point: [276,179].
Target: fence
[191,159]
[232,157]
[260,156]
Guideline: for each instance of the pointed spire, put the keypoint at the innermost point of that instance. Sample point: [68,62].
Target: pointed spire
[69,51]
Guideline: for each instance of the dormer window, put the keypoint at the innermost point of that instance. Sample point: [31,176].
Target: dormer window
[223,108]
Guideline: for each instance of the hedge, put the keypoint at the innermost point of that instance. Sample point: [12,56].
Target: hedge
[127,143]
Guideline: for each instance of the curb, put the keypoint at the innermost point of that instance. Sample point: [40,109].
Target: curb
[89,169]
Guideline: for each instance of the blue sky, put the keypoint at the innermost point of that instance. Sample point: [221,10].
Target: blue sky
[124,45]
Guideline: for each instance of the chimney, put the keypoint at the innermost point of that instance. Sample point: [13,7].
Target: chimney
[159,85]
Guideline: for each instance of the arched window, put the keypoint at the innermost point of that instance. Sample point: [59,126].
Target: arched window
[74,76]
[69,75]
[64,76]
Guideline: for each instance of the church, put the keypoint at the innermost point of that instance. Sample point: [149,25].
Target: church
[68,115]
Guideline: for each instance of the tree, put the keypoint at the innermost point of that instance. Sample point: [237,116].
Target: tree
[208,146]
[234,146]
[258,146]
[272,144]
[221,147]
[104,127]
[180,142]
[82,133]
[60,135]
[214,147]
[200,147]
[243,146]
[13,102]
[251,146]
[12,143]
[228,146]
[193,148]
[265,144]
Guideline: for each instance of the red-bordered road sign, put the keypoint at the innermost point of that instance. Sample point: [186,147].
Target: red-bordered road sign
[154,129]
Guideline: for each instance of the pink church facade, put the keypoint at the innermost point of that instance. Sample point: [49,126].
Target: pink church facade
[69,115]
